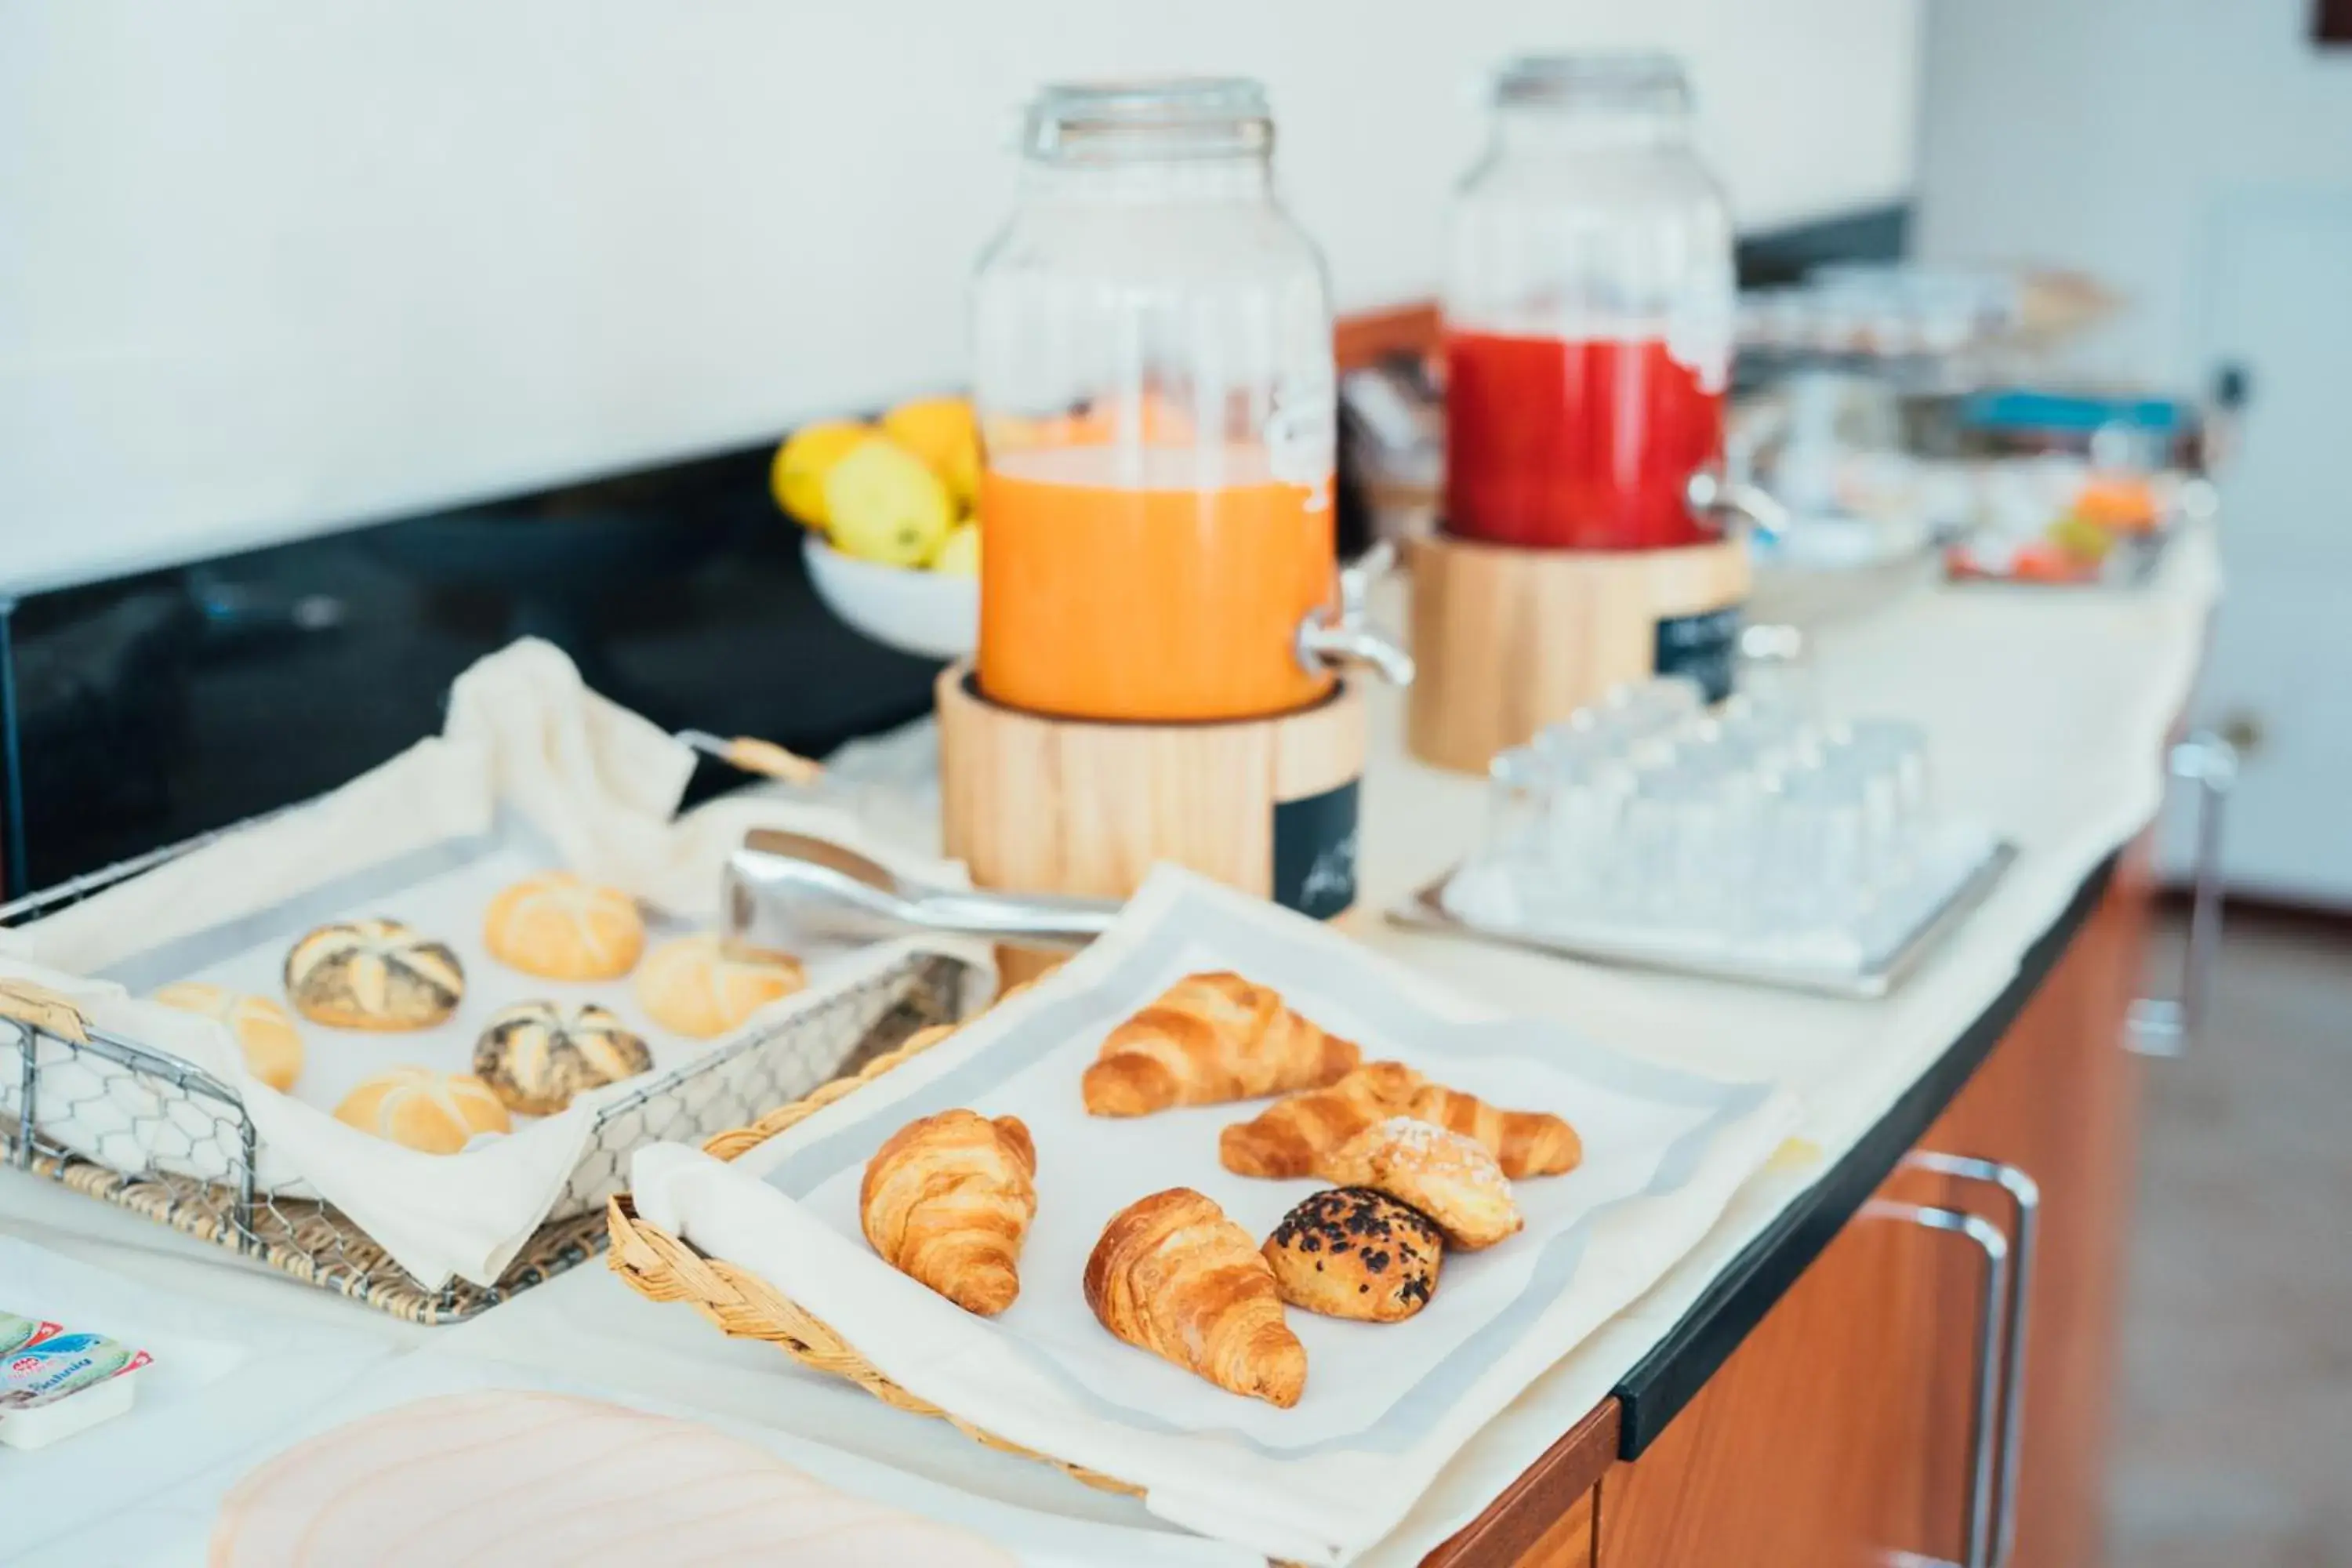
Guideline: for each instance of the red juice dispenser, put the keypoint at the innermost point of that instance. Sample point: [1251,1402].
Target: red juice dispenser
[1588,307]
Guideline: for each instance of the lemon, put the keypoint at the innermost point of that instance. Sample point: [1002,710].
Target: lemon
[959,554]
[943,433]
[797,476]
[882,504]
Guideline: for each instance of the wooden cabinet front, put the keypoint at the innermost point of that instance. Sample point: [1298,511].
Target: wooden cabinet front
[1840,1431]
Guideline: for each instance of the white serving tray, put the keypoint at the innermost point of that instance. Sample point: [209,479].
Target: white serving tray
[1385,1403]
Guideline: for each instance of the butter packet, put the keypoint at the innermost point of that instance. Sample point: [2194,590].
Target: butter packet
[17,1332]
[55,1382]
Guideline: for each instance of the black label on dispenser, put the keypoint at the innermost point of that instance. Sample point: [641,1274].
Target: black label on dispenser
[1315,852]
[1701,647]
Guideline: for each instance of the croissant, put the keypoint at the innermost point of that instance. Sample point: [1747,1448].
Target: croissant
[1173,1274]
[1210,1038]
[1523,1143]
[1289,1136]
[947,1200]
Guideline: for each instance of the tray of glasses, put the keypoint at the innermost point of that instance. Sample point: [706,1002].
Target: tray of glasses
[1877,975]
[1756,841]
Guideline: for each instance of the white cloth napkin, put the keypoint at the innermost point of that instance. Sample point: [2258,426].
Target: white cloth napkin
[525,737]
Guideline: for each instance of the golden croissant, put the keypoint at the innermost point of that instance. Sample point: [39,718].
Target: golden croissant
[1287,1139]
[1523,1143]
[1173,1274]
[1210,1038]
[947,1200]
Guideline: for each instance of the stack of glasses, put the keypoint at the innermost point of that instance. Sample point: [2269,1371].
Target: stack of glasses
[1756,833]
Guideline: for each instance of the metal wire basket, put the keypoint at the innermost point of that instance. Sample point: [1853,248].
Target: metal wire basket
[117,1120]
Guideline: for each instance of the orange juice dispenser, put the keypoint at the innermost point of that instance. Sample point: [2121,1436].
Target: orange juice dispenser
[1166,643]
[1586,536]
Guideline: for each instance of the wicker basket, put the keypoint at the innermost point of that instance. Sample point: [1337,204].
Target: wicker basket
[182,1151]
[659,1265]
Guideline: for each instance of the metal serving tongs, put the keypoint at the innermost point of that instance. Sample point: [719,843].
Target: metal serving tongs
[787,890]
[752,756]
[1328,640]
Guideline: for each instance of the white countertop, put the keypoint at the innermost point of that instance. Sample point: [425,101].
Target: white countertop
[2047,714]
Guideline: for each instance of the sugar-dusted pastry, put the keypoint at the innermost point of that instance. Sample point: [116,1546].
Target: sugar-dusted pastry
[947,1200]
[374,975]
[1351,1252]
[1449,1178]
[1523,1143]
[1210,1038]
[536,1056]
[558,927]
[1286,1138]
[434,1112]
[265,1032]
[527,1477]
[1173,1274]
[702,987]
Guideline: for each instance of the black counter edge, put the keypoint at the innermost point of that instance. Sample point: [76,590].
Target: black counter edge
[1665,1380]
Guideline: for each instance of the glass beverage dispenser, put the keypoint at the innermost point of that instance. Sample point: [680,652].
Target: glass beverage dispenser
[1155,385]
[1589,307]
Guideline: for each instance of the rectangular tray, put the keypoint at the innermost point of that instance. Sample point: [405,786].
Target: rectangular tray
[185,1153]
[770,1245]
[1426,911]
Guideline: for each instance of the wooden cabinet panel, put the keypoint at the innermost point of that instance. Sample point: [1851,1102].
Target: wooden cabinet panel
[1570,1543]
[1787,1459]
[2059,1100]
[1839,1431]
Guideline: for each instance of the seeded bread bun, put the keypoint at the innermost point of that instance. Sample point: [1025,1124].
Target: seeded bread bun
[1351,1252]
[374,975]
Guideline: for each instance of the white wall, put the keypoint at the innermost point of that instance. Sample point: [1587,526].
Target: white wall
[268,265]
[2108,134]
[2197,153]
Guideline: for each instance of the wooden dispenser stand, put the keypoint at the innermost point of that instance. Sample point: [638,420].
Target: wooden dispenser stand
[1034,804]
[1510,639]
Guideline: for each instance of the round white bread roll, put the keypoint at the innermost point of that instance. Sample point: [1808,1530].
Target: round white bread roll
[264,1031]
[517,1478]
[702,986]
[432,1112]
[560,927]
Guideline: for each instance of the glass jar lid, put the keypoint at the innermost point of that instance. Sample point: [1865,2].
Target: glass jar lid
[1639,80]
[1148,119]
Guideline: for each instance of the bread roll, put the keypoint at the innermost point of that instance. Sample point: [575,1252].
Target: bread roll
[264,1031]
[433,1113]
[1447,1176]
[1351,1252]
[535,1055]
[702,986]
[527,1479]
[561,928]
[374,975]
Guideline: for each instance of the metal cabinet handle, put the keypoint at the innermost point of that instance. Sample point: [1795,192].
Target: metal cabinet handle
[2166,1025]
[1977,1546]
[2025,1199]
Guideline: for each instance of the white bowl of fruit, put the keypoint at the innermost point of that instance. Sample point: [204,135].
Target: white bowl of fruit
[892,546]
